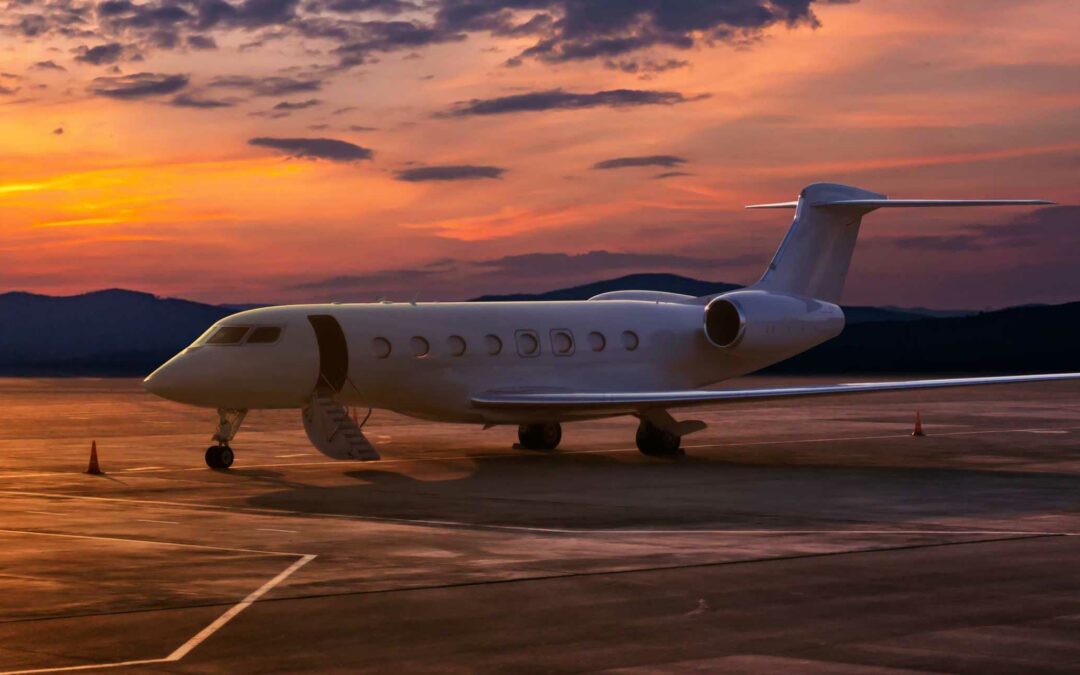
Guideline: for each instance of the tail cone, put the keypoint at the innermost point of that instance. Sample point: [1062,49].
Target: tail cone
[918,425]
[94,469]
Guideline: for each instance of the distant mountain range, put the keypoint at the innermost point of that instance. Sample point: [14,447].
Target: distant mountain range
[124,333]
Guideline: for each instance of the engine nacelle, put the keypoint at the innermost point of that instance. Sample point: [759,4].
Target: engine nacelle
[761,323]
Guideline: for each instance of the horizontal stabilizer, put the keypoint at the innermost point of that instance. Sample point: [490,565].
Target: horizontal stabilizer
[637,401]
[870,204]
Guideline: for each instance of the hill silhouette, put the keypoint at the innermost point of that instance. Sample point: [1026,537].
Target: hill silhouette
[118,332]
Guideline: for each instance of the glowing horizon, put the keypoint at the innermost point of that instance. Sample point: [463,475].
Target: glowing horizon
[397,148]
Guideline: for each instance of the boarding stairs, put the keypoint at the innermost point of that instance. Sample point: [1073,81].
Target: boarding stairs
[333,432]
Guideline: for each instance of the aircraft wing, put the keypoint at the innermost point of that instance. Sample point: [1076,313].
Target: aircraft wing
[630,402]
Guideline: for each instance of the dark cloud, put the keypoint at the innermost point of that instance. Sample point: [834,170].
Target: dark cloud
[381,6]
[8,91]
[267,86]
[297,105]
[360,128]
[187,100]
[138,85]
[557,99]
[202,42]
[569,30]
[1051,228]
[372,37]
[458,279]
[645,160]
[450,172]
[58,131]
[316,148]
[672,174]
[105,54]
[624,34]
[48,65]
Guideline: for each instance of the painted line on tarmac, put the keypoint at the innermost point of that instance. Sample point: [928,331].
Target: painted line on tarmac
[505,455]
[133,540]
[197,639]
[160,522]
[427,522]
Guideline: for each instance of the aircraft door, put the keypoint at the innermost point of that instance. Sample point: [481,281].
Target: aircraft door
[333,352]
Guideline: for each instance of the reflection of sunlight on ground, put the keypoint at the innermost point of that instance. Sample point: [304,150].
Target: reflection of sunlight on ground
[747,538]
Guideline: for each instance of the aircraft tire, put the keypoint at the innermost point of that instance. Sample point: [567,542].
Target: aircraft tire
[219,457]
[540,436]
[655,442]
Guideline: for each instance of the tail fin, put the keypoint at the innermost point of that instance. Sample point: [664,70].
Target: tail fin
[814,257]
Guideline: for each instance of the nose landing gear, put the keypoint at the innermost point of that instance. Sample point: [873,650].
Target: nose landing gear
[221,456]
[540,436]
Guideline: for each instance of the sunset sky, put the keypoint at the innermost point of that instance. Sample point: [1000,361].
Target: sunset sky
[296,150]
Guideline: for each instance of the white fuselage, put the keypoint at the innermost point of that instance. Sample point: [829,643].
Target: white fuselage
[471,348]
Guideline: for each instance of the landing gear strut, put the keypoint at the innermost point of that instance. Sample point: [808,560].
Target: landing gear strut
[221,456]
[655,442]
[540,436]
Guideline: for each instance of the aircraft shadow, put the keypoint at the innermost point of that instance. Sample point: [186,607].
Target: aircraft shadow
[595,491]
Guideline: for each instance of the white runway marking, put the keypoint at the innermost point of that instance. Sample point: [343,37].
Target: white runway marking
[200,637]
[274,529]
[228,616]
[145,468]
[295,454]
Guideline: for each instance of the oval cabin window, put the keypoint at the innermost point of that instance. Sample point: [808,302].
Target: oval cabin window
[456,345]
[630,340]
[420,346]
[380,347]
[597,342]
[562,343]
[493,344]
[528,344]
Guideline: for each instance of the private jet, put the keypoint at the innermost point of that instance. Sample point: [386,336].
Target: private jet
[537,365]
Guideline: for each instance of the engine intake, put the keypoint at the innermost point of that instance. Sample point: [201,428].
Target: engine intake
[724,323]
[758,323]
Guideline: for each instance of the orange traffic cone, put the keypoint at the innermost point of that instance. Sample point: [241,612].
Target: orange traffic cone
[918,425]
[94,469]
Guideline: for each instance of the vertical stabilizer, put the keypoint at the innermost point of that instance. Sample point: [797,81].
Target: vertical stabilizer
[814,257]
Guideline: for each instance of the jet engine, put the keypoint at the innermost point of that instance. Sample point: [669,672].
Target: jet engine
[755,323]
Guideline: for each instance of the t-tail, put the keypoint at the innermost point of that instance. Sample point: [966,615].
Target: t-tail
[814,257]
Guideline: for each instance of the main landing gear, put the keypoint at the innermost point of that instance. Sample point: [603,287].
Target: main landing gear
[540,436]
[221,456]
[656,442]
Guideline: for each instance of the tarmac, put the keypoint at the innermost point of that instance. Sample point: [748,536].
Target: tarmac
[804,536]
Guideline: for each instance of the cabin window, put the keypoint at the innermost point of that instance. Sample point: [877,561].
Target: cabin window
[562,342]
[264,335]
[630,340]
[381,347]
[528,343]
[493,344]
[456,345]
[597,341]
[228,335]
[420,346]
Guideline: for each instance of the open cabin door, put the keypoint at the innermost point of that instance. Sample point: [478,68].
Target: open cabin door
[333,352]
[326,421]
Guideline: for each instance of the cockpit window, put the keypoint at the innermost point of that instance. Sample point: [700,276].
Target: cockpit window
[228,335]
[264,335]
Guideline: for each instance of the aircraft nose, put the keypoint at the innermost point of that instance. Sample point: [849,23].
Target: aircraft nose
[169,381]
